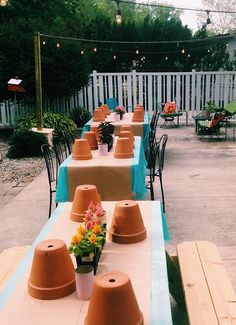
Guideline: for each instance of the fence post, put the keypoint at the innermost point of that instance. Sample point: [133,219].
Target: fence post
[193,92]
[134,87]
[95,90]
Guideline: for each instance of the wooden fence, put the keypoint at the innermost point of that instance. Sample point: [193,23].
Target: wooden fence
[191,91]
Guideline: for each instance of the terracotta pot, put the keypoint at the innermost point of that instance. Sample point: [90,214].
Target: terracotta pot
[113,301]
[92,140]
[127,224]
[95,129]
[98,115]
[104,110]
[127,134]
[84,195]
[123,148]
[126,128]
[139,106]
[138,116]
[81,150]
[107,109]
[52,273]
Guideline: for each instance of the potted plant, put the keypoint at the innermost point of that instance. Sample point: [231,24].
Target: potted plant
[211,108]
[105,131]
[87,243]
[120,110]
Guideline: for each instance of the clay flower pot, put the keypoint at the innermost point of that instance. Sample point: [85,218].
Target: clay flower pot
[98,115]
[123,148]
[126,128]
[92,140]
[95,129]
[84,195]
[139,106]
[138,116]
[113,301]
[127,223]
[81,150]
[52,273]
[106,108]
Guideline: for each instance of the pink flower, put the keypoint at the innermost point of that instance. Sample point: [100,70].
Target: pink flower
[89,225]
[99,210]
[91,206]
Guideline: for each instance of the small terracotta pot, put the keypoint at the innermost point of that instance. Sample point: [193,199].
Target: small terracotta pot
[92,140]
[95,129]
[104,110]
[81,150]
[127,134]
[126,128]
[52,273]
[123,148]
[138,116]
[139,106]
[107,109]
[84,195]
[127,224]
[113,301]
[98,115]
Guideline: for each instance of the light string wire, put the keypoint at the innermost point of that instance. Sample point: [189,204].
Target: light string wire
[175,8]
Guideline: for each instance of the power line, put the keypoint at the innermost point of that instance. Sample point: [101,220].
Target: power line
[173,7]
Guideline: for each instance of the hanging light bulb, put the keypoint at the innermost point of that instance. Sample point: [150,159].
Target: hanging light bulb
[189,55]
[208,22]
[118,14]
[95,49]
[183,51]
[208,51]
[58,45]
[166,58]
[114,57]
[137,51]
[44,42]
[3,3]
[82,52]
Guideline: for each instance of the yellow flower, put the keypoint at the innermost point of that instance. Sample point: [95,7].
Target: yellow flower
[92,239]
[79,238]
[97,229]
[74,239]
[81,230]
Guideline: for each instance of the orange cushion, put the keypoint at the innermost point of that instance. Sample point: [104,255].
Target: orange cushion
[216,118]
[170,108]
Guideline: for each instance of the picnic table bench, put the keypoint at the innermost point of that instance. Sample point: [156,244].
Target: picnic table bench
[208,294]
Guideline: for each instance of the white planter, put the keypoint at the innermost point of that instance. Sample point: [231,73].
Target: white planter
[103,149]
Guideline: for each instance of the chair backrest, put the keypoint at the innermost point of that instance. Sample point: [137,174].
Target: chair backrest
[51,160]
[111,102]
[152,156]
[153,120]
[59,145]
[69,139]
[161,151]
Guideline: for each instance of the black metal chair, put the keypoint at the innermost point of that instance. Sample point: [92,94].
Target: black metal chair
[69,139]
[59,145]
[155,160]
[52,162]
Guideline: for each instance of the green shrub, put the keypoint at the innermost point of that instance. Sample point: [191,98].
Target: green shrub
[58,122]
[80,116]
[26,144]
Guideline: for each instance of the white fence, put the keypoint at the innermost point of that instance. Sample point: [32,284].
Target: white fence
[191,91]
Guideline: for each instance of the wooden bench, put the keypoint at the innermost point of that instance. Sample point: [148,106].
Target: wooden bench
[209,296]
[9,260]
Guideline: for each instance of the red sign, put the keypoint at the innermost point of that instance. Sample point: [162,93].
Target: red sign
[18,88]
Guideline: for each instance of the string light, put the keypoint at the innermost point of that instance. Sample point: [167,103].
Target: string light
[137,51]
[95,49]
[114,57]
[118,14]
[58,45]
[208,51]
[189,55]
[82,52]
[44,42]
[183,51]
[3,3]
[166,58]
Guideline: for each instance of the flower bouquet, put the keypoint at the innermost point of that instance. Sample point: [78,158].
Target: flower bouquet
[170,108]
[120,110]
[87,243]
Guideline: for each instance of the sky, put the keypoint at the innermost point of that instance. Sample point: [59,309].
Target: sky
[188,17]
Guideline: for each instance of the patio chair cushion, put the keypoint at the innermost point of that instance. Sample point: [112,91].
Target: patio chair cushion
[216,118]
[231,108]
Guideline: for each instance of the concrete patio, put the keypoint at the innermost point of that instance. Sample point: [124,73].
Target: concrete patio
[199,181]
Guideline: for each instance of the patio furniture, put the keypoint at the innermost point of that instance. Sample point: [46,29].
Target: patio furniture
[211,127]
[144,262]
[115,179]
[208,292]
[52,161]
[111,103]
[200,117]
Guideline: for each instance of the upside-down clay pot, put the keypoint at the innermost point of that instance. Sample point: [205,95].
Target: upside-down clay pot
[95,129]
[126,128]
[107,109]
[113,301]
[104,110]
[81,150]
[139,106]
[127,225]
[123,148]
[138,116]
[98,115]
[84,195]
[92,140]
[52,273]
[127,134]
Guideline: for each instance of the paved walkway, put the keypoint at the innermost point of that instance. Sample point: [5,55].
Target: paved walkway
[200,188]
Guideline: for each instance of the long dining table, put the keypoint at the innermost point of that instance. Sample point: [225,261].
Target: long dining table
[115,179]
[144,262]
[141,129]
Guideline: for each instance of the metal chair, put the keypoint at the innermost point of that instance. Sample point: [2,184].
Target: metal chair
[155,166]
[59,145]
[52,162]
[69,139]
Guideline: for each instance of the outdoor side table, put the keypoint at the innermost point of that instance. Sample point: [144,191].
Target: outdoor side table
[169,118]
[144,262]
